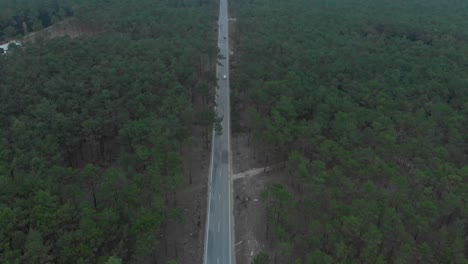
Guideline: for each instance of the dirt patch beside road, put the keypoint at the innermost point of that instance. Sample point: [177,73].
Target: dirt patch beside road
[250,215]
[244,157]
[184,240]
[249,209]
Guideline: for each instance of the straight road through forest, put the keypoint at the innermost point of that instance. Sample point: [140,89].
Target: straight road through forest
[218,237]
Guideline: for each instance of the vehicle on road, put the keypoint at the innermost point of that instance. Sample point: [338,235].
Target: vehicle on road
[224,77]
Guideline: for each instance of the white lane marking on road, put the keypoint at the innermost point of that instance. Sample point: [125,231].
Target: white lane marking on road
[218,261]
[219,227]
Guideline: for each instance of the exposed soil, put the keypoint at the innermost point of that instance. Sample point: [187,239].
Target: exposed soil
[244,156]
[250,216]
[249,210]
[185,241]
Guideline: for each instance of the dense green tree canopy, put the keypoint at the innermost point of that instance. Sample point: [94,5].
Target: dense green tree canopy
[18,17]
[367,100]
[91,130]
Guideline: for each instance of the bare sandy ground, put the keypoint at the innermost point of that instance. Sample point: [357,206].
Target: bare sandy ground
[250,181]
[185,239]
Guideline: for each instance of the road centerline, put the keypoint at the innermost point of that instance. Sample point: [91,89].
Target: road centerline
[218,245]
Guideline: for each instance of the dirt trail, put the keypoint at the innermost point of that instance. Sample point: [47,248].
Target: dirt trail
[250,173]
[249,210]
[257,171]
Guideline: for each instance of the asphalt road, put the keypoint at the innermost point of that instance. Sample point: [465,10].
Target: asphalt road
[218,237]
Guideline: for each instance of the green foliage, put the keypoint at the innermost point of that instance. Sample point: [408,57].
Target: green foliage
[261,258]
[366,100]
[91,129]
[114,260]
[31,15]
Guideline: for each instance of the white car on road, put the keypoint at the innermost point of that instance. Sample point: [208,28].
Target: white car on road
[224,77]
